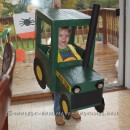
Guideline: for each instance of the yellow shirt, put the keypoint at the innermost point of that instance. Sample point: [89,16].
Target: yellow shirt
[75,57]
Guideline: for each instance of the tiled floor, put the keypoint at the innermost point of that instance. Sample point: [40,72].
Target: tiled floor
[39,115]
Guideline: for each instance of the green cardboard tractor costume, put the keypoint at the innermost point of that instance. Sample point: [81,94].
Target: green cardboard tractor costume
[78,86]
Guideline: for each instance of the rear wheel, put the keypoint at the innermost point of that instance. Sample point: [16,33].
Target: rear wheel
[65,107]
[101,107]
[39,73]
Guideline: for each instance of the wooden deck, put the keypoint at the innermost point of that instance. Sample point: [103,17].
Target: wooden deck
[24,82]
[106,56]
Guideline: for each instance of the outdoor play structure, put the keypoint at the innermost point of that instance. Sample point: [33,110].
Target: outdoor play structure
[78,86]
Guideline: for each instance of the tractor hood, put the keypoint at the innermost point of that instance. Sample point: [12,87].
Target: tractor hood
[85,78]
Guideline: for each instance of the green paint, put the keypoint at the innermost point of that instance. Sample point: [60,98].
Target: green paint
[71,71]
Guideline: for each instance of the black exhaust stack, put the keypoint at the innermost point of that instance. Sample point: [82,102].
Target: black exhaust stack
[91,35]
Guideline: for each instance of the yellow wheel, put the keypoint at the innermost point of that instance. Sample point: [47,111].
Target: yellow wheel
[39,73]
[65,107]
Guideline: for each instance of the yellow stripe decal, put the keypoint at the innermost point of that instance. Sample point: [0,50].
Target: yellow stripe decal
[74,52]
[64,82]
[59,58]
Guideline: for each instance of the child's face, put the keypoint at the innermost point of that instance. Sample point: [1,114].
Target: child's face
[63,38]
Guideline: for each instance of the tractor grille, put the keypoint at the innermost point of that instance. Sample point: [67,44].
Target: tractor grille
[86,99]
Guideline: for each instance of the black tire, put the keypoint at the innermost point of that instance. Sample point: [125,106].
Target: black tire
[65,107]
[39,73]
[101,107]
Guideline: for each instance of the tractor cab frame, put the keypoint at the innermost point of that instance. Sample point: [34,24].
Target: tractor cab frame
[77,84]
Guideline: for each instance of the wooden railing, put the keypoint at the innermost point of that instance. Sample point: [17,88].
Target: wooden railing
[107,29]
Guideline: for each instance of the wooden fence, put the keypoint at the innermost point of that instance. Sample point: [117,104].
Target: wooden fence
[107,29]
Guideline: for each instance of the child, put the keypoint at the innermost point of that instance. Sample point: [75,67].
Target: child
[66,54]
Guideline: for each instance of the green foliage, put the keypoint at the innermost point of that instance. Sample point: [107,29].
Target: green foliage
[69,4]
[27,45]
[88,4]
[10,9]
[109,3]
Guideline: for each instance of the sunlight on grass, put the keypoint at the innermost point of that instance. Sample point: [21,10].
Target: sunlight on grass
[27,45]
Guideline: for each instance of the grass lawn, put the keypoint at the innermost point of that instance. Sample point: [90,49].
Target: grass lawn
[26,45]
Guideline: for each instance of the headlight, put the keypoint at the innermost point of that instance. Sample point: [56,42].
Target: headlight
[99,85]
[76,89]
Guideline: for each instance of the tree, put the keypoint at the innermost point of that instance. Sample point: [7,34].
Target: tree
[69,4]
[9,9]
[88,4]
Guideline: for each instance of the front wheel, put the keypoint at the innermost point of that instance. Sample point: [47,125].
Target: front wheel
[39,73]
[65,107]
[101,107]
